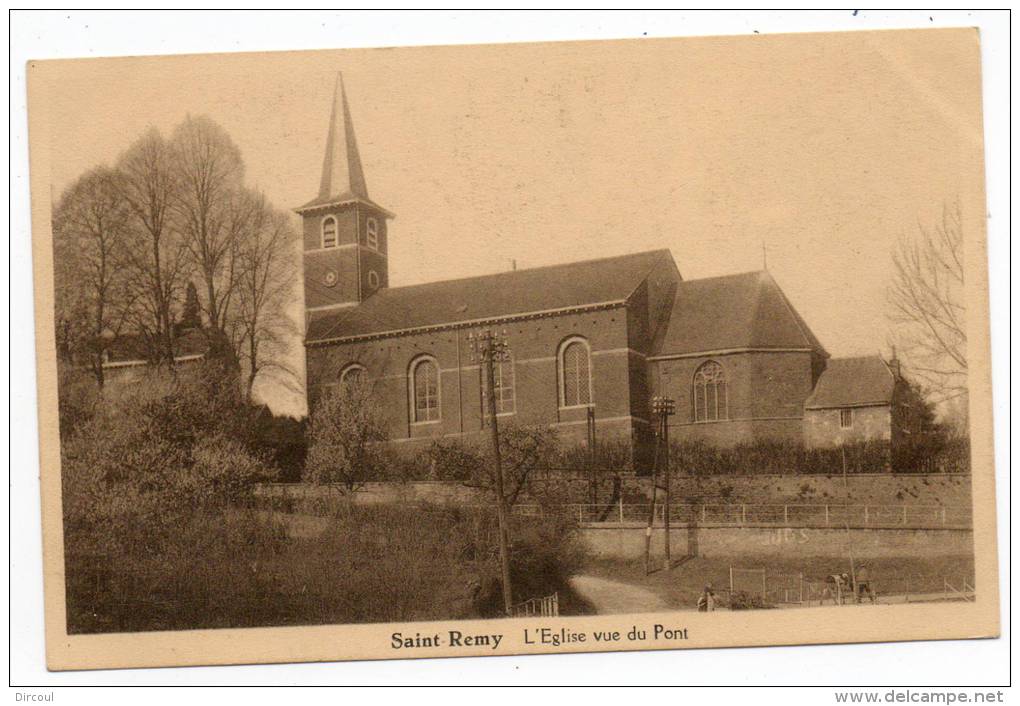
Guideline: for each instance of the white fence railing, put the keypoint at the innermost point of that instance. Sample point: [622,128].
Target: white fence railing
[751,514]
[546,607]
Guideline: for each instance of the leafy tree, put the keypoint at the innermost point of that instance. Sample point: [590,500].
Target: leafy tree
[345,430]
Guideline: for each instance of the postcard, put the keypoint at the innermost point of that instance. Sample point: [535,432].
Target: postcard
[511,349]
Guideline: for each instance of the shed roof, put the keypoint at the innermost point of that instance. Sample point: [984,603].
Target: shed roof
[135,348]
[853,382]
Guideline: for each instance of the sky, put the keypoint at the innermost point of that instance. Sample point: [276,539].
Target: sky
[815,151]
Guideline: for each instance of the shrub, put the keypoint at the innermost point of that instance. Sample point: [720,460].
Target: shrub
[778,457]
[192,409]
[224,471]
[610,455]
[77,398]
[450,460]
[142,500]
[742,600]
[936,452]
[345,431]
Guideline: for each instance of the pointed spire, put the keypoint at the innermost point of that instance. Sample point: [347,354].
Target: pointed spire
[341,168]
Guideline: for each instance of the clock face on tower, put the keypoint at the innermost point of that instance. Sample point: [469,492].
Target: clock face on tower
[329,278]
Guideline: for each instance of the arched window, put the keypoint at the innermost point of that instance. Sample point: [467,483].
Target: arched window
[372,232]
[329,232]
[425,390]
[353,374]
[373,279]
[575,373]
[503,377]
[711,402]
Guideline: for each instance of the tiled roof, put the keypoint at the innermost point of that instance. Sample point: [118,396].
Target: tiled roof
[520,292]
[733,312]
[345,197]
[849,382]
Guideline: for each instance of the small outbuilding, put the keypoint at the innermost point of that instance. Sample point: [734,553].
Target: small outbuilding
[853,401]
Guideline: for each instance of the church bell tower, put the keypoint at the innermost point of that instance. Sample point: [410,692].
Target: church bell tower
[345,234]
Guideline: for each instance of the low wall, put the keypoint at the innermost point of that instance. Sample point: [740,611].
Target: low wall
[884,489]
[628,543]
[864,489]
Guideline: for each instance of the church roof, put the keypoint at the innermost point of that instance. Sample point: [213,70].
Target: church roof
[733,312]
[343,179]
[853,382]
[539,290]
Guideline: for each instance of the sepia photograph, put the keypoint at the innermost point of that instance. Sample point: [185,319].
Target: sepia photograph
[502,349]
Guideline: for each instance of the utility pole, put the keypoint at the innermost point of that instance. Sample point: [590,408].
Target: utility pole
[593,478]
[664,407]
[492,348]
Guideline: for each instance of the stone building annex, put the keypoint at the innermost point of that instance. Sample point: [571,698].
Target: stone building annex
[605,334]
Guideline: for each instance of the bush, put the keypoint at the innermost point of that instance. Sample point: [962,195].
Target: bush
[142,499]
[224,471]
[768,457]
[345,434]
[610,455]
[933,453]
[742,600]
[450,460]
[77,398]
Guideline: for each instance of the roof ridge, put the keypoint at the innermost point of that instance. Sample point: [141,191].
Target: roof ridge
[863,356]
[524,269]
[649,271]
[731,275]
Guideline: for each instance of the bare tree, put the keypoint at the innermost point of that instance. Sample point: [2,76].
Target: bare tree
[927,300]
[156,253]
[89,241]
[522,450]
[266,269]
[209,171]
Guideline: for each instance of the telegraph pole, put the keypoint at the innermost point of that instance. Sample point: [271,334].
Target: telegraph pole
[593,477]
[665,407]
[662,407]
[491,348]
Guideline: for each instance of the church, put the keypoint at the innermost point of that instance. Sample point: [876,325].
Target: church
[600,337]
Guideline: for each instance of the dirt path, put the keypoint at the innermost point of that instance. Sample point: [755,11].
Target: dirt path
[614,597]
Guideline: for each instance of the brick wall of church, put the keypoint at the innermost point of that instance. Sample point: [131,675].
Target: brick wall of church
[346,227]
[616,371]
[766,393]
